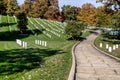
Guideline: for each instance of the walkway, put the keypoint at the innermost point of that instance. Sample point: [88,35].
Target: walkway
[93,65]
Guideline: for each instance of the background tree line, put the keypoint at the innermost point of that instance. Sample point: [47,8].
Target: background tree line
[49,9]
[107,15]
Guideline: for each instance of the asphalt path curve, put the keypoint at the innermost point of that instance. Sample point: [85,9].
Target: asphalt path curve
[92,64]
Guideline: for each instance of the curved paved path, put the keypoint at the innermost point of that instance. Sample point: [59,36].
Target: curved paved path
[93,65]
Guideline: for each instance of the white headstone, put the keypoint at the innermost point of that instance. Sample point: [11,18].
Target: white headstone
[101,45]
[45,43]
[114,47]
[117,46]
[110,49]
[107,46]
[20,43]
[23,44]
[42,43]
[38,42]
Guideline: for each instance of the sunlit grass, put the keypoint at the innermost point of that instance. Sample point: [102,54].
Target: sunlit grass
[111,42]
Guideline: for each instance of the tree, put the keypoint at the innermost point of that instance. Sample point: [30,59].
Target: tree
[22,22]
[2,7]
[87,14]
[12,7]
[109,3]
[74,29]
[116,20]
[103,17]
[52,13]
[26,7]
[41,8]
[53,10]
[38,8]
[69,12]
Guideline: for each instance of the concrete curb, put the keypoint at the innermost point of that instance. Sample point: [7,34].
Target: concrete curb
[111,56]
[73,67]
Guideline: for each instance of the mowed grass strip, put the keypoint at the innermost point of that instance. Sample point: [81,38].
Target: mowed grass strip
[36,62]
[102,39]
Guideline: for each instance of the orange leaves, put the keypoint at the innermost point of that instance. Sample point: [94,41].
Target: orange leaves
[87,14]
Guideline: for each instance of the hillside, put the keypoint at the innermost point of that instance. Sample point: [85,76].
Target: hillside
[46,56]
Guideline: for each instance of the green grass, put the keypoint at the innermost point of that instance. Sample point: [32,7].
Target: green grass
[102,39]
[86,33]
[36,62]
[52,62]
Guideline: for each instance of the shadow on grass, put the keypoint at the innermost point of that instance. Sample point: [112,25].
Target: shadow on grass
[6,24]
[77,38]
[12,36]
[95,33]
[18,60]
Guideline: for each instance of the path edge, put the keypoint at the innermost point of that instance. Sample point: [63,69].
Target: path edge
[105,53]
[73,67]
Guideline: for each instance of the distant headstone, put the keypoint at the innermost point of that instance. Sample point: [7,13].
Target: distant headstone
[45,43]
[117,46]
[23,44]
[107,46]
[42,43]
[20,43]
[35,41]
[110,49]
[38,42]
[101,45]
[114,47]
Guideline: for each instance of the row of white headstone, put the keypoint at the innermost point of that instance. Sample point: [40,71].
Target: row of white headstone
[58,29]
[61,24]
[51,27]
[109,48]
[39,24]
[31,29]
[9,22]
[33,23]
[53,32]
[45,28]
[22,43]
[48,35]
[40,42]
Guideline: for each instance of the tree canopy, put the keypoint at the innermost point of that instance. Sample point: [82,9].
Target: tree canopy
[87,14]
[74,29]
[69,12]
[12,7]
[22,22]
[103,17]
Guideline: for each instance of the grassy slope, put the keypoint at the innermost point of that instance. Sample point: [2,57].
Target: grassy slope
[36,62]
[111,42]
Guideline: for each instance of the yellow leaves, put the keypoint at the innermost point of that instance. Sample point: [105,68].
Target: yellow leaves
[87,14]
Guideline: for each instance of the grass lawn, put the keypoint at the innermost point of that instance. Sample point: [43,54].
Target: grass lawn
[102,39]
[86,33]
[52,62]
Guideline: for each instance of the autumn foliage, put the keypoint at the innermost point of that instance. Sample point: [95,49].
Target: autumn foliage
[87,14]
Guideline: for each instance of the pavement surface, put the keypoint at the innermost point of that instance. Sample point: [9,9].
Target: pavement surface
[93,65]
